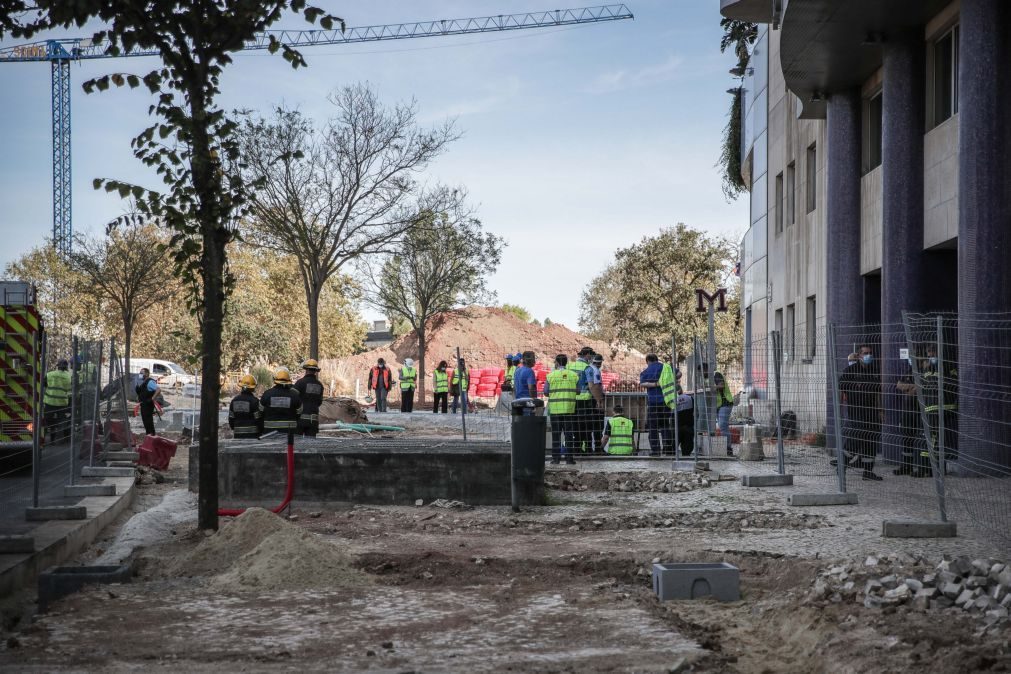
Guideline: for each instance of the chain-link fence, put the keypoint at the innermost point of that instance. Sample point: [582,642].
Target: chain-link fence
[915,417]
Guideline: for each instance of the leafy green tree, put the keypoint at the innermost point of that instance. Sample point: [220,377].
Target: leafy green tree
[192,146]
[518,311]
[442,263]
[338,193]
[548,322]
[647,295]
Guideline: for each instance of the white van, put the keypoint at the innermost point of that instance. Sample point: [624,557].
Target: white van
[165,372]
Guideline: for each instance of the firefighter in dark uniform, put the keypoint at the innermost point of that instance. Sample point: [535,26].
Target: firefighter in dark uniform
[281,405]
[311,391]
[147,391]
[244,416]
[935,404]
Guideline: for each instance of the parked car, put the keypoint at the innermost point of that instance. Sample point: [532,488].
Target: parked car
[165,372]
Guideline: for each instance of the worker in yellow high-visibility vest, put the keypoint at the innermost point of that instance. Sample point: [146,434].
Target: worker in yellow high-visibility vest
[56,402]
[408,378]
[617,438]
[440,384]
[560,389]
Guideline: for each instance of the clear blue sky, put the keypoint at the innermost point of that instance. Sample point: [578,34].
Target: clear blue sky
[576,141]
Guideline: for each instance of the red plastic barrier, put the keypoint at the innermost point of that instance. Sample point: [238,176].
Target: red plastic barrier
[289,490]
[119,432]
[156,451]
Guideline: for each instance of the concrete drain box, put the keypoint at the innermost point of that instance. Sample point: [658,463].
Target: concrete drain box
[694,580]
[60,581]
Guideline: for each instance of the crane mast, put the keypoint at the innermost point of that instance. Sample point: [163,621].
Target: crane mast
[60,52]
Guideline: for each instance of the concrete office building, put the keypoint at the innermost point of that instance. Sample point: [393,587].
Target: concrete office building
[877,143]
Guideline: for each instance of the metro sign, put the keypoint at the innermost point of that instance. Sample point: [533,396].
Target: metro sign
[705,300]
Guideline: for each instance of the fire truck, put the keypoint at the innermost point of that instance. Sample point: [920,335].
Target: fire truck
[21,369]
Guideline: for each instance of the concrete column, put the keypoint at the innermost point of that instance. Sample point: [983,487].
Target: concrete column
[844,285]
[903,262]
[984,230]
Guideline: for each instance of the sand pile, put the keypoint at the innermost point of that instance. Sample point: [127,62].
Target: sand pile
[260,551]
[347,410]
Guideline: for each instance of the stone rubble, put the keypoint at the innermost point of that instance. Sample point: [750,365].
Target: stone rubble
[978,586]
[640,481]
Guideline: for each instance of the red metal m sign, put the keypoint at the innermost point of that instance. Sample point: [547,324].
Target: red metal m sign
[705,299]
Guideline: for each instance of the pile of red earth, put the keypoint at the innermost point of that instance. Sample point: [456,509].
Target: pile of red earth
[347,410]
[484,335]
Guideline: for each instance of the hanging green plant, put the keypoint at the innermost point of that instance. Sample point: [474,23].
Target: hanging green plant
[730,153]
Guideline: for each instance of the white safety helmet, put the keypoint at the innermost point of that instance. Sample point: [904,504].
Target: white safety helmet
[409,362]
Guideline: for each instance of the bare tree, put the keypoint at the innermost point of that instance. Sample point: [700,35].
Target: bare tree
[441,264]
[130,269]
[338,193]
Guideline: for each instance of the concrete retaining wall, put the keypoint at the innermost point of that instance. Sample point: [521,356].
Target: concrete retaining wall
[329,470]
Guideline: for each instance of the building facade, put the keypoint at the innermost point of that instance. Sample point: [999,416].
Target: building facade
[877,144]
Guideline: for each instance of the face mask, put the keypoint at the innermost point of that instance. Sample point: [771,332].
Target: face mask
[867,359]
[933,360]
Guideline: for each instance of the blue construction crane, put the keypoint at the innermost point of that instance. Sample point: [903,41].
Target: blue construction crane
[61,52]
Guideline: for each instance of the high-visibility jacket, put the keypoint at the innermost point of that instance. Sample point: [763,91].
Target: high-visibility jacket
[407,377]
[441,381]
[379,375]
[58,384]
[668,385]
[508,384]
[620,436]
[310,391]
[578,366]
[562,391]
[280,407]
[723,397]
[244,415]
[466,380]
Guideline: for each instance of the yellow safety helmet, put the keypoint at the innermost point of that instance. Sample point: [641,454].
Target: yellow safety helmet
[310,364]
[247,381]
[282,376]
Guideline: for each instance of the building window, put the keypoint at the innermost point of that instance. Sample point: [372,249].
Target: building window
[872,133]
[944,77]
[791,193]
[812,178]
[779,204]
[790,341]
[812,328]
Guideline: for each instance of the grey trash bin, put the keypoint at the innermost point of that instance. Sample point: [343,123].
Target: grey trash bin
[528,430]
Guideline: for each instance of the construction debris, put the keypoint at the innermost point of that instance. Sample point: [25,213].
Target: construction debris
[637,481]
[347,410]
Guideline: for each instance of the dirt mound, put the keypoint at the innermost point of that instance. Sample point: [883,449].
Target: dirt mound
[347,410]
[630,481]
[484,335]
[292,559]
[219,552]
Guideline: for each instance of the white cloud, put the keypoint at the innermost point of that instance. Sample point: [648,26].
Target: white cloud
[507,90]
[617,80]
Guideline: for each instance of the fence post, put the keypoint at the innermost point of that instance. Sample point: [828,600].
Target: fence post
[464,397]
[108,404]
[939,463]
[98,403]
[924,419]
[777,359]
[840,454]
[37,384]
[126,410]
[75,410]
[674,366]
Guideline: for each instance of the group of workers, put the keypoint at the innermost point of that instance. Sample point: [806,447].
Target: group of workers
[57,391]
[381,382]
[286,407]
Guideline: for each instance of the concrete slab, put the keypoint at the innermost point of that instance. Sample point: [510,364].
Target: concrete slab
[63,580]
[821,499]
[113,446]
[89,490]
[121,456]
[121,464]
[918,529]
[767,480]
[13,545]
[695,580]
[56,513]
[104,471]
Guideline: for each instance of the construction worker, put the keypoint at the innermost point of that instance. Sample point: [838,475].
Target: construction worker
[617,438]
[524,379]
[724,406]
[56,402]
[310,390]
[561,390]
[408,381]
[440,385]
[594,384]
[460,384]
[936,404]
[380,381]
[657,414]
[685,415]
[281,406]
[510,370]
[506,396]
[147,391]
[244,417]
[584,401]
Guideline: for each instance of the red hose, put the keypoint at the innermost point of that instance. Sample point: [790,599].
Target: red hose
[288,492]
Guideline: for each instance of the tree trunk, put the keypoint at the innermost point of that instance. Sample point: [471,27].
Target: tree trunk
[312,298]
[210,389]
[421,364]
[127,340]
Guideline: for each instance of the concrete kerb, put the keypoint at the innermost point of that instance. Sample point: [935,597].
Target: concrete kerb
[89,490]
[103,471]
[821,499]
[58,540]
[918,529]
[775,480]
[46,513]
